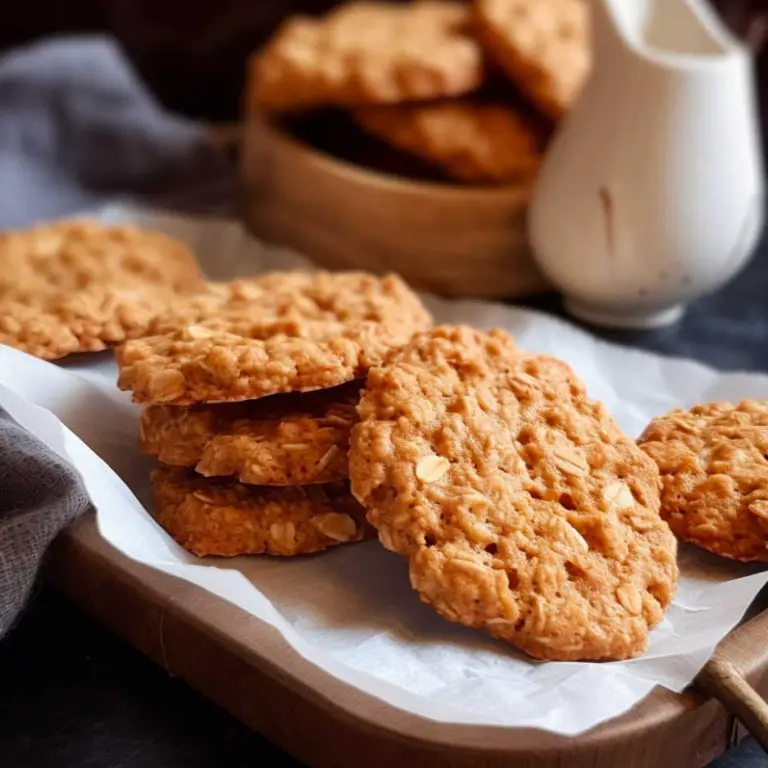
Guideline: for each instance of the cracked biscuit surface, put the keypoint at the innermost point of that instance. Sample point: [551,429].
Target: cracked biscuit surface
[367,53]
[51,326]
[713,461]
[282,332]
[475,143]
[221,517]
[521,506]
[279,440]
[543,45]
[80,286]
[200,366]
[297,303]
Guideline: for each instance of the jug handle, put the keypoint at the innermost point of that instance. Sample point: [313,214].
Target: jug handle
[722,680]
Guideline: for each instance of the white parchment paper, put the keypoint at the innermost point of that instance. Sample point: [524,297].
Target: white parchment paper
[351,610]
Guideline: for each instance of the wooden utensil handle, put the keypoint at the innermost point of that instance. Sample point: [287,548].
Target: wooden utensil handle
[722,680]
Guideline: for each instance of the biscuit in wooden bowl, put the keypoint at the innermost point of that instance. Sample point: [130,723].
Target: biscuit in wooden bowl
[367,53]
[543,45]
[451,239]
[471,142]
[713,461]
[522,507]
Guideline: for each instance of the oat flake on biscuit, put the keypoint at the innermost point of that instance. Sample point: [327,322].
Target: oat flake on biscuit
[221,517]
[521,506]
[367,53]
[280,440]
[713,461]
[476,143]
[543,45]
[79,286]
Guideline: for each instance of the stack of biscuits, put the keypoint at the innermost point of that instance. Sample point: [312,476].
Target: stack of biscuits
[297,411]
[249,391]
[472,89]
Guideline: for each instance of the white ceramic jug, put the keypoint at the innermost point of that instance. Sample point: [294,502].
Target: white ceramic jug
[652,192]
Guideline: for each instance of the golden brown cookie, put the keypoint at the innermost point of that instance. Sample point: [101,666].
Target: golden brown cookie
[298,303]
[51,326]
[220,517]
[476,143]
[70,255]
[367,53]
[713,461]
[279,440]
[197,365]
[283,332]
[81,286]
[521,506]
[543,45]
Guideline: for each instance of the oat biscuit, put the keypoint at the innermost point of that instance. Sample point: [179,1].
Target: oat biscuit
[477,143]
[283,332]
[197,365]
[521,506]
[279,440]
[543,45]
[88,320]
[295,302]
[221,517]
[714,470]
[80,286]
[71,255]
[367,53]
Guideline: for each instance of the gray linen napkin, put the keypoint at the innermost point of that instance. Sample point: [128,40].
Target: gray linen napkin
[39,495]
[77,128]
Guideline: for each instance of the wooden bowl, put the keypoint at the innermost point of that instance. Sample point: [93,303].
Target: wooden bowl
[441,237]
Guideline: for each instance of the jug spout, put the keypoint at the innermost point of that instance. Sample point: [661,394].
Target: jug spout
[668,31]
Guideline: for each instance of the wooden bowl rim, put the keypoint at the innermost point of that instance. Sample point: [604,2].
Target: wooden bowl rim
[361,175]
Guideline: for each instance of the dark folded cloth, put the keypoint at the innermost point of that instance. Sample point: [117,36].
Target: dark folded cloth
[39,496]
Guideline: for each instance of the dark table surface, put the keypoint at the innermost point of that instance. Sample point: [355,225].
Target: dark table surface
[74,696]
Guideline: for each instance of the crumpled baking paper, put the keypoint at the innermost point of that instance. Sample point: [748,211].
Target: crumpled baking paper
[351,610]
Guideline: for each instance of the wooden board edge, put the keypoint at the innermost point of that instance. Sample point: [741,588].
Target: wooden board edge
[222,652]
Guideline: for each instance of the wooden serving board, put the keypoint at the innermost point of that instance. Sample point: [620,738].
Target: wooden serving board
[246,667]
